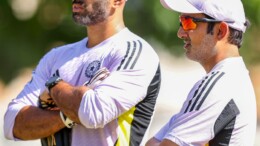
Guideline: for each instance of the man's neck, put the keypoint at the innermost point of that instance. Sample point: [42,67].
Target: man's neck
[227,51]
[100,32]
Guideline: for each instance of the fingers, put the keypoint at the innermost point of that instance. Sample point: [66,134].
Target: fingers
[46,102]
[53,109]
[47,105]
[45,96]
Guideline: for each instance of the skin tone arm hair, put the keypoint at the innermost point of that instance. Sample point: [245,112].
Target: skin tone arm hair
[30,121]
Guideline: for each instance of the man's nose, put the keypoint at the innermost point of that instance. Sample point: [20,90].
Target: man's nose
[182,33]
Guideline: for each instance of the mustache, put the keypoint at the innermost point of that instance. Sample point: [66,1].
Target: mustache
[78,2]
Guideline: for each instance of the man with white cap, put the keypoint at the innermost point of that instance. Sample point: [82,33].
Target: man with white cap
[116,111]
[220,109]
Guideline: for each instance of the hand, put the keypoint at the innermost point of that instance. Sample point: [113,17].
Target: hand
[98,77]
[46,102]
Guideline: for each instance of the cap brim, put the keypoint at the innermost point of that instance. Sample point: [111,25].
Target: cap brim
[181,6]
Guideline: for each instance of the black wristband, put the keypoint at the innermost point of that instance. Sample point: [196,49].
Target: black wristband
[52,82]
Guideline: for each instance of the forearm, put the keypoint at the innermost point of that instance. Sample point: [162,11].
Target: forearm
[165,142]
[34,123]
[68,99]
[153,142]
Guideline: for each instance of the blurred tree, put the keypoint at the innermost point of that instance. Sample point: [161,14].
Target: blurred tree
[24,40]
[29,28]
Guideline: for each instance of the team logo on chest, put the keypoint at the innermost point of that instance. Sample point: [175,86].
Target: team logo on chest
[92,68]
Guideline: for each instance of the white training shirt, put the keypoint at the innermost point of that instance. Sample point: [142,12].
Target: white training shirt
[219,110]
[116,112]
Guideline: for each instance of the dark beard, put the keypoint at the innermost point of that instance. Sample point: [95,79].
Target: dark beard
[99,14]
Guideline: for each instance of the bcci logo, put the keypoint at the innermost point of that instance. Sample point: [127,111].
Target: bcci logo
[92,68]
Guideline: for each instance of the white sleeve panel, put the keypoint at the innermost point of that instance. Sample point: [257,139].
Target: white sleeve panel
[28,96]
[118,93]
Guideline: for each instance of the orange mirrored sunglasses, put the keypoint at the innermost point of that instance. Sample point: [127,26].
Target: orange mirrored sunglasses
[189,23]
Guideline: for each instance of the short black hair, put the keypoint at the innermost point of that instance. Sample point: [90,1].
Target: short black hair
[235,37]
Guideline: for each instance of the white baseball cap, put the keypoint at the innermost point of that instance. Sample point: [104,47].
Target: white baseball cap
[223,10]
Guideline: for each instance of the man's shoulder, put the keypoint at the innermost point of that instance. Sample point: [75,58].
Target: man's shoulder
[68,49]
[127,36]
[131,43]
[72,45]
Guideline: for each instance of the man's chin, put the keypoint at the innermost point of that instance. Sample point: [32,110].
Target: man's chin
[78,20]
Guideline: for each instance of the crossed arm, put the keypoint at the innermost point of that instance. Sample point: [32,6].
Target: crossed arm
[165,142]
[34,123]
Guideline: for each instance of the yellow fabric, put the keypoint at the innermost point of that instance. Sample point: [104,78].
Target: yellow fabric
[124,122]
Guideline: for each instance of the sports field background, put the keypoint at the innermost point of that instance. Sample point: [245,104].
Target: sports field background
[178,76]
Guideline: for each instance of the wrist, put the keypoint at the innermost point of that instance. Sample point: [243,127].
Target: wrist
[52,81]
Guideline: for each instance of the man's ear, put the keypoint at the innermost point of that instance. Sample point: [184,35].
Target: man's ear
[118,3]
[222,30]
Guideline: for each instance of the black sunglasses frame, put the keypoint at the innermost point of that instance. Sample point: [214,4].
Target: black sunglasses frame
[206,20]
